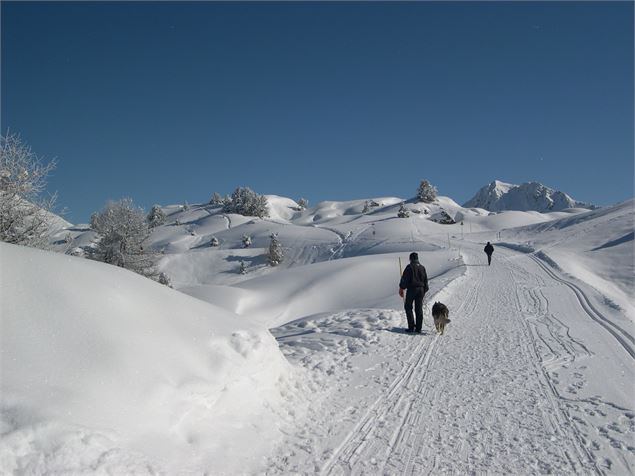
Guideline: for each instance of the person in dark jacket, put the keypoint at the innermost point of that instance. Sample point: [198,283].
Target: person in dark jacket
[489,249]
[415,280]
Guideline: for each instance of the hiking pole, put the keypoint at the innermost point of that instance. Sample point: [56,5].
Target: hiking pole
[400,274]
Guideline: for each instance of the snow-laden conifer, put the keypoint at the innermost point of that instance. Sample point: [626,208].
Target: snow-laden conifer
[214,241]
[276,253]
[246,240]
[244,201]
[156,216]
[426,192]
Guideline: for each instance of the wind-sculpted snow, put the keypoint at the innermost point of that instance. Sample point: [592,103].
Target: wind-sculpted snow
[106,371]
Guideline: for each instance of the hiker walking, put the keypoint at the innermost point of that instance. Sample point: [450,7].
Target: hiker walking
[415,280]
[489,249]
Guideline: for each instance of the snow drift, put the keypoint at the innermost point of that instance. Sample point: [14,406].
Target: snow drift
[103,370]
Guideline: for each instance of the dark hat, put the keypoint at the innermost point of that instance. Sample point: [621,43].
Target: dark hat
[414,257]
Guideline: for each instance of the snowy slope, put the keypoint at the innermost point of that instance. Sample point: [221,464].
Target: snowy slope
[106,371]
[498,196]
[533,376]
[596,247]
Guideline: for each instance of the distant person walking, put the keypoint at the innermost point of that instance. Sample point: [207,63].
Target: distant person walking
[415,280]
[489,249]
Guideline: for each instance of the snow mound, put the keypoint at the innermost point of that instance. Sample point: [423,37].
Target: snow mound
[106,371]
[498,196]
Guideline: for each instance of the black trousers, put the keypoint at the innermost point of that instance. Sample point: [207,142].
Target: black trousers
[489,259]
[414,295]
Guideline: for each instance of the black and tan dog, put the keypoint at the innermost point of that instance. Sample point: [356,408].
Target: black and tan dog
[440,314]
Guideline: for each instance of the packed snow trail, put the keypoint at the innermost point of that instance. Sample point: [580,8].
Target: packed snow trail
[503,391]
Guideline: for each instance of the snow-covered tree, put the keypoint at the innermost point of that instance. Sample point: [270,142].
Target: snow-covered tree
[303,203]
[156,216]
[122,229]
[246,240]
[244,201]
[216,199]
[403,211]
[214,241]
[165,280]
[426,192]
[25,216]
[243,268]
[366,208]
[276,254]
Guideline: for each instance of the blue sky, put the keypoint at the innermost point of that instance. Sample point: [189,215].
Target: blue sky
[167,102]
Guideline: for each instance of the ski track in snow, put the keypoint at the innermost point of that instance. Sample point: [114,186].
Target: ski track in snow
[485,397]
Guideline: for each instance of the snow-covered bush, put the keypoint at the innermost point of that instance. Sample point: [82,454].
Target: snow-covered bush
[426,192]
[156,216]
[303,203]
[122,229]
[403,211]
[246,240]
[366,208]
[276,254]
[214,241]
[216,199]
[244,201]
[25,217]
[243,268]
[372,203]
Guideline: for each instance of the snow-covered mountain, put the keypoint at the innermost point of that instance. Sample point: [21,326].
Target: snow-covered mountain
[498,196]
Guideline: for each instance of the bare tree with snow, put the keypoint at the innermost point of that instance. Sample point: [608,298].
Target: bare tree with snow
[216,199]
[122,229]
[426,192]
[25,216]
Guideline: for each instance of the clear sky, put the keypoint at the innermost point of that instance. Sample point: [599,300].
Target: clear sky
[168,102]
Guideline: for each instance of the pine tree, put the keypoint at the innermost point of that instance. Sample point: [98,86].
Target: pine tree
[276,254]
[122,229]
[214,241]
[246,240]
[244,201]
[243,268]
[366,207]
[426,192]
[156,216]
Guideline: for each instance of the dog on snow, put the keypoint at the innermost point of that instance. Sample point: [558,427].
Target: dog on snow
[440,314]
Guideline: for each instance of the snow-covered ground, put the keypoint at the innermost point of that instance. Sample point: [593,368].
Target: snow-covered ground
[535,373]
